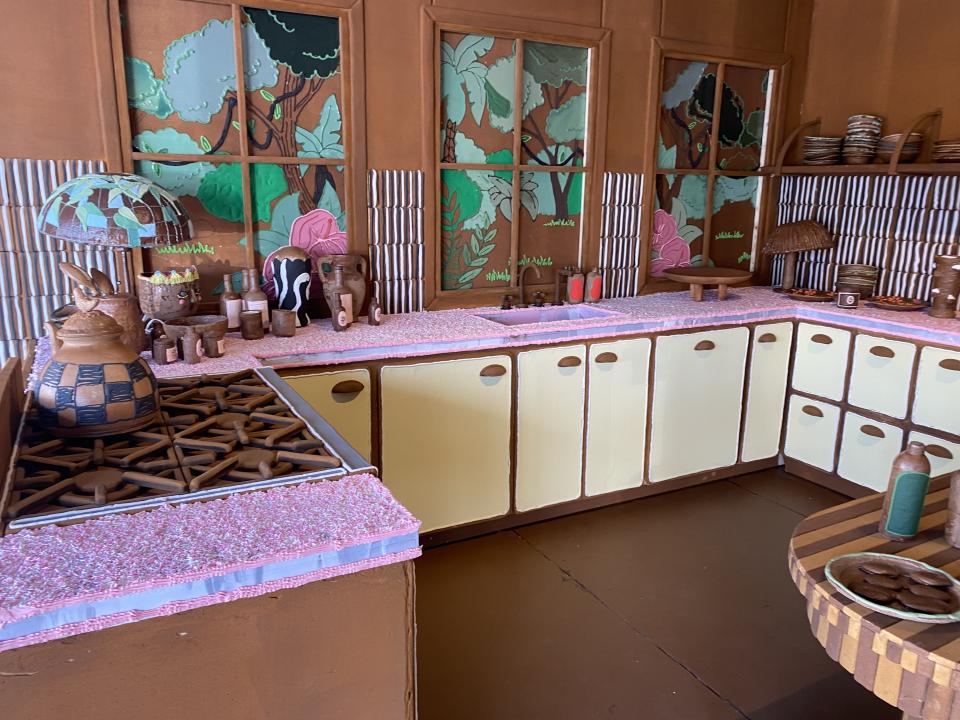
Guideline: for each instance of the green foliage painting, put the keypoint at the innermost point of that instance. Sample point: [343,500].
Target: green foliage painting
[287,59]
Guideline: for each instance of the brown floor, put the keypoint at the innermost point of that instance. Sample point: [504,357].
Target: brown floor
[675,607]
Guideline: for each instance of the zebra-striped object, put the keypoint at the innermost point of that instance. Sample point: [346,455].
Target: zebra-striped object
[31,286]
[395,211]
[899,224]
[620,244]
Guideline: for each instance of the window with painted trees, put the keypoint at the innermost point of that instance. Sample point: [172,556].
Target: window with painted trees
[239,111]
[712,130]
[513,158]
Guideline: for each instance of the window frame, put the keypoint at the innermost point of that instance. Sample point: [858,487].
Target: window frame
[352,104]
[779,64]
[434,22]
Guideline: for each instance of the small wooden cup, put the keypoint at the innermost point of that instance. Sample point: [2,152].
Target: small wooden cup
[283,323]
[251,324]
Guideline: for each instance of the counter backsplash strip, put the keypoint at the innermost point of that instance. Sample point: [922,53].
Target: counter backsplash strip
[620,233]
[31,286]
[395,210]
[899,223]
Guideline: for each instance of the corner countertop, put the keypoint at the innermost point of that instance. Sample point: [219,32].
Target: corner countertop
[449,331]
[60,581]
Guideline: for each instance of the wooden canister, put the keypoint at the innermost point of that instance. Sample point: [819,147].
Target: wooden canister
[906,492]
[251,324]
[283,322]
[946,286]
[952,530]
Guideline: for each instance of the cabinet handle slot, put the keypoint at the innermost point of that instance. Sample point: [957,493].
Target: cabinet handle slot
[705,345]
[347,387]
[493,371]
[950,364]
[872,431]
[812,411]
[822,339]
[568,361]
[882,351]
[607,357]
[939,451]
[767,338]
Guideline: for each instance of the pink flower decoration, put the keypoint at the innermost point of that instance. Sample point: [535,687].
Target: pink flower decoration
[316,232]
[671,249]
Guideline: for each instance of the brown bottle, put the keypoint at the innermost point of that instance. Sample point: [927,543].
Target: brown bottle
[192,346]
[341,294]
[230,304]
[374,316]
[906,493]
[254,298]
[952,531]
[338,315]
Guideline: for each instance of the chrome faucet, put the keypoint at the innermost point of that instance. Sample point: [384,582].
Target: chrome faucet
[523,273]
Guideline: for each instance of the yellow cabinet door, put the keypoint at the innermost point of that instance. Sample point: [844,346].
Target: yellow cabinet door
[550,385]
[766,390]
[697,402]
[445,438]
[617,415]
[944,456]
[937,398]
[812,432]
[820,364]
[867,450]
[342,397]
[880,378]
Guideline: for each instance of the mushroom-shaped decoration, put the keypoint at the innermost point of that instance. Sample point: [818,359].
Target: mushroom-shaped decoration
[795,237]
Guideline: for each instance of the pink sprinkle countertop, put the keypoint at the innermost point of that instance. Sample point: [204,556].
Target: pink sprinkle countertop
[429,333]
[62,580]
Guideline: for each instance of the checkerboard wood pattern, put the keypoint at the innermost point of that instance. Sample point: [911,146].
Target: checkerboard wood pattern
[911,665]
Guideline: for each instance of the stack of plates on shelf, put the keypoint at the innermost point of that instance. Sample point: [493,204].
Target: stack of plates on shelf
[863,134]
[911,148]
[946,151]
[857,278]
[820,150]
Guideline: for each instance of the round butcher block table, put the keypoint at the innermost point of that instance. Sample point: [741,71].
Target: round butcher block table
[911,665]
[697,277]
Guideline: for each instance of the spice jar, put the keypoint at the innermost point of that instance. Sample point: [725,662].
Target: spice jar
[251,324]
[213,344]
[906,493]
[164,350]
[191,346]
[284,323]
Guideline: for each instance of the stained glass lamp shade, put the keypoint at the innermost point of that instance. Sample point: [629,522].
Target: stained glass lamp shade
[115,210]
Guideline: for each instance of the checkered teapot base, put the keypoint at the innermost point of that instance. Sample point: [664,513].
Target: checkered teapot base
[76,399]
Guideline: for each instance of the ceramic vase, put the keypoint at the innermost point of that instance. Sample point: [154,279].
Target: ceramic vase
[291,281]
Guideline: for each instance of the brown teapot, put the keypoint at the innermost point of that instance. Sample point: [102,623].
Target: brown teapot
[94,384]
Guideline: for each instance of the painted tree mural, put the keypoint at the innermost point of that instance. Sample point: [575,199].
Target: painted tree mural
[478,121]
[291,64]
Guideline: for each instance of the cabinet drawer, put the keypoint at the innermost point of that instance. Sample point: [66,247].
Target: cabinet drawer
[697,402]
[550,389]
[944,456]
[812,432]
[937,398]
[446,438]
[867,450]
[880,379]
[617,415]
[820,365]
[766,390]
[343,399]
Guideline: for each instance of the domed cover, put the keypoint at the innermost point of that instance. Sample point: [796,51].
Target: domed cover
[90,323]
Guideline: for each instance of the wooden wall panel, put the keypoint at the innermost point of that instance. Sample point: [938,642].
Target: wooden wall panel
[748,24]
[886,57]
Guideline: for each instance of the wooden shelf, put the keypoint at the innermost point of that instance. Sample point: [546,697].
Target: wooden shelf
[870,169]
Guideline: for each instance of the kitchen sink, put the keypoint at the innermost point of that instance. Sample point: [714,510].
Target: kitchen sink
[535,315]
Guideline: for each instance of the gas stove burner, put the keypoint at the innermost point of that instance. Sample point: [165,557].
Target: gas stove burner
[216,434]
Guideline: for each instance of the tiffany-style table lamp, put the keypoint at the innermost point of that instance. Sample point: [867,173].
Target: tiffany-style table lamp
[115,210]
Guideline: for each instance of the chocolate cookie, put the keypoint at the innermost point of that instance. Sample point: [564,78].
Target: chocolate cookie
[884,581]
[933,579]
[876,567]
[873,592]
[922,604]
[930,592]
